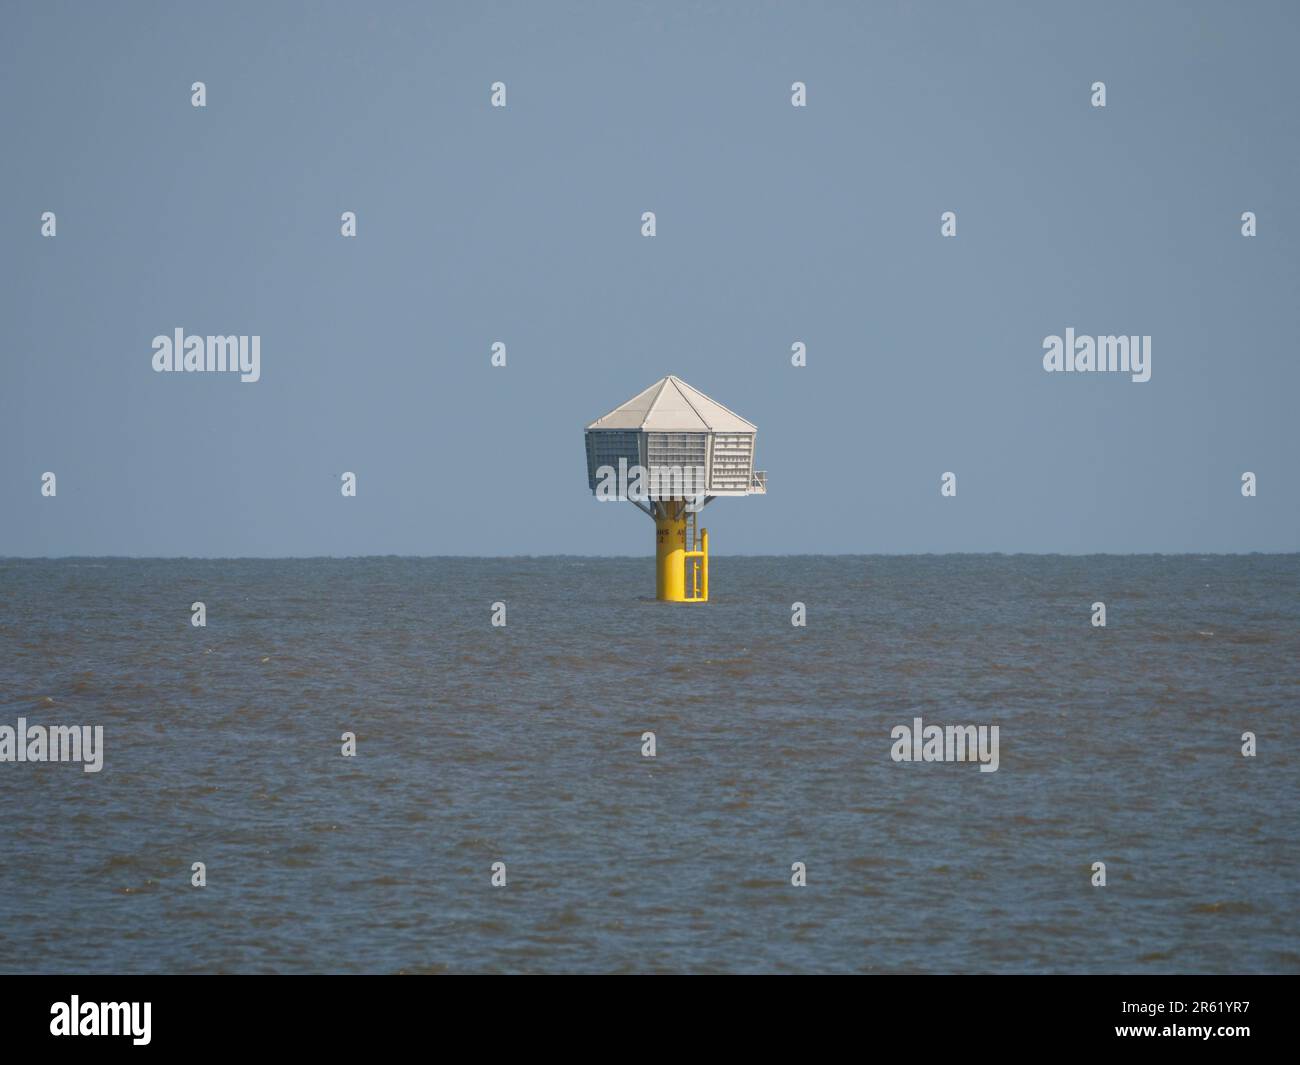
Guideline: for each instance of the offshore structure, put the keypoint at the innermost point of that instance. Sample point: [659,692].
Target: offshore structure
[671,450]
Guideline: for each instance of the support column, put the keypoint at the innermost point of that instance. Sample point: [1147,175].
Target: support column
[670,551]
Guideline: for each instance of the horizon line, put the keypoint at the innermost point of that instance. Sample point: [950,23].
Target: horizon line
[642,557]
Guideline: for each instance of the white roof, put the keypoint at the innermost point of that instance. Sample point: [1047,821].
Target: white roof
[670,405]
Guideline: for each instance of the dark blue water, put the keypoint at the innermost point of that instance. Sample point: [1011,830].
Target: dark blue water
[522,745]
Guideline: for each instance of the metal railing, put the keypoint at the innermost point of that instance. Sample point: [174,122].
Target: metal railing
[697,566]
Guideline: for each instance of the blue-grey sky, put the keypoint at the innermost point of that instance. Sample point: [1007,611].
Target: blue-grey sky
[522,224]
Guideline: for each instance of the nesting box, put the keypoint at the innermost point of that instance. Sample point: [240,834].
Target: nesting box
[671,425]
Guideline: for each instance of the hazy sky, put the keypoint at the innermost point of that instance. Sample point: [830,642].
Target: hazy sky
[522,224]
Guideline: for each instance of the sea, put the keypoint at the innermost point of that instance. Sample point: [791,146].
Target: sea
[503,811]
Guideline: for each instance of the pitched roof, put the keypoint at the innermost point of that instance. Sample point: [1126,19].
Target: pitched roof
[670,405]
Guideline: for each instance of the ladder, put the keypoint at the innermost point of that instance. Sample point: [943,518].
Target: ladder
[697,559]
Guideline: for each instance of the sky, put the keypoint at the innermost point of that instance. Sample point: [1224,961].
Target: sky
[523,224]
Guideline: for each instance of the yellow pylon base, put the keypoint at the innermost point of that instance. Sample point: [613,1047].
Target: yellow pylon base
[676,561]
